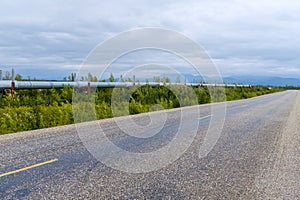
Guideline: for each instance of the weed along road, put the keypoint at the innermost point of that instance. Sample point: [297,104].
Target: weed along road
[257,156]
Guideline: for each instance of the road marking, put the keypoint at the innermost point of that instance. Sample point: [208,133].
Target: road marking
[205,117]
[29,167]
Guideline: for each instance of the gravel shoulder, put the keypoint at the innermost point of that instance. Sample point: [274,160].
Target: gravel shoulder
[282,180]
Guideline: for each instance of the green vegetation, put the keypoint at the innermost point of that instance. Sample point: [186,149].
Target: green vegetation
[34,109]
[235,93]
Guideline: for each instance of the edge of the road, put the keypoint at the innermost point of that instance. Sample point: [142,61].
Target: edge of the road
[72,127]
[281,180]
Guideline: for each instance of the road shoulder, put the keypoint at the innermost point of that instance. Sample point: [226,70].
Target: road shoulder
[282,180]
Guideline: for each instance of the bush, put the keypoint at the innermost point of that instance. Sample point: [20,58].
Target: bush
[34,109]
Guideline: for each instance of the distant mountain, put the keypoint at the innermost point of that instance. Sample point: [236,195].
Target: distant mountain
[236,79]
[252,80]
[262,80]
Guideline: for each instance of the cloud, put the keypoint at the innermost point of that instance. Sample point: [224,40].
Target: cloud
[241,36]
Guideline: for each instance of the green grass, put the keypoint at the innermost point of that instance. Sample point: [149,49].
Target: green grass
[35,109]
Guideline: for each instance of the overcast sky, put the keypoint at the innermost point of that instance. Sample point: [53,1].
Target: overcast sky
[51,38]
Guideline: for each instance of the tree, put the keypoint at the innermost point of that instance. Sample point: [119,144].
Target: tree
[111,78]
[18,77]
[166,80]
[121,78]
[156,79]
[92,78]
[7,75]
[73,77]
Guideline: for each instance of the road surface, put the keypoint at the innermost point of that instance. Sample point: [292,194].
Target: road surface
[256,157]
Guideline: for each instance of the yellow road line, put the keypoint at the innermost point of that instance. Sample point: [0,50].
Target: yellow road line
[29,167]
[205,117]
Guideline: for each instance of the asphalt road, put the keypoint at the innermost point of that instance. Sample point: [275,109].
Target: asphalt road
[256,157]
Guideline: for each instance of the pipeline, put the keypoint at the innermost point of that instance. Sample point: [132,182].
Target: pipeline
[17,85]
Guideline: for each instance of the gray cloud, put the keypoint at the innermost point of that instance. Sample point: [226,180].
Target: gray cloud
[242,37]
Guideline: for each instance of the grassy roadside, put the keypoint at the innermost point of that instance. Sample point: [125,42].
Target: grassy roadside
[35,109]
